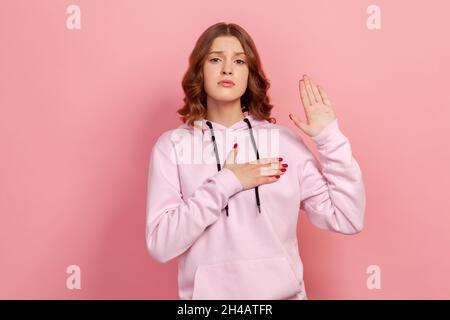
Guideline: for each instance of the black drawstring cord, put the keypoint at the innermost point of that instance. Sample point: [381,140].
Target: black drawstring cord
[257,157]
[216,152]
[213,138]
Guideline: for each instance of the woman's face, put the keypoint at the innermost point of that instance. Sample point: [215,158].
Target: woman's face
[226,61]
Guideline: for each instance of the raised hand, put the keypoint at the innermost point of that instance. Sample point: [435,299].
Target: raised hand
[317,107]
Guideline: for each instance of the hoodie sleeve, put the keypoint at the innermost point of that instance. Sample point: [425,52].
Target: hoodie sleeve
[173,223]
[332,192]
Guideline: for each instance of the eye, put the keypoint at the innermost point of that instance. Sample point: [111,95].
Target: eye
[214,59]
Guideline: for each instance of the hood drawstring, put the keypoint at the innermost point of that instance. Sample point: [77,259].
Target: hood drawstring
[213,138]
[257,157]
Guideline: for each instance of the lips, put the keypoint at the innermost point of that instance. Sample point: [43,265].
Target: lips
[226,82]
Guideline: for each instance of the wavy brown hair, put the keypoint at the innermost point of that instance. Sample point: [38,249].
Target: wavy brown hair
[254,100]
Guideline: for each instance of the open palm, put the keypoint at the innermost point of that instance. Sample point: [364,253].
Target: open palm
[317,107]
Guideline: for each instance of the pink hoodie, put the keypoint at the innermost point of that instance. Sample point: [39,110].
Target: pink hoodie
[247,254]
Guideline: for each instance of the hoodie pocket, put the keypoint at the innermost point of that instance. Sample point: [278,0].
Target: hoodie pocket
[259,279]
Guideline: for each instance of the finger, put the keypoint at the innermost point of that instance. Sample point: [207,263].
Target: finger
[270,179]
[232,155]
[273,165]
[273,169]
[264,161]
[270,172]
[304,95]
[294,118]
[316,93]
[303,126]
[324,96]
[309,90]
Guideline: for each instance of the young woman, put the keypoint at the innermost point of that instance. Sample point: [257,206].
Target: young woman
[226,186]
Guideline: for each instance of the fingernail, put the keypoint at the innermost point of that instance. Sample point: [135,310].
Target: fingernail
[235,145]
[280,159]
[283,170]
[278,177]
[284,165]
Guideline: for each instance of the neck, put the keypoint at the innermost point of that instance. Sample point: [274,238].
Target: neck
[225,113]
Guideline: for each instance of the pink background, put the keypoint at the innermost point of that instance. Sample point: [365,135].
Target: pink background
[81,109]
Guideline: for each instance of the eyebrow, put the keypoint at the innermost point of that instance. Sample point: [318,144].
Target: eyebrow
[221,52]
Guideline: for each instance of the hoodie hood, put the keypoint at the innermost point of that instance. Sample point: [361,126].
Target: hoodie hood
[238,126]
[247,123]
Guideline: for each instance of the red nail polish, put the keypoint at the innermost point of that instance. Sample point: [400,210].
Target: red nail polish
[285,165]
[280,159]
[278,177]
[283,170]
[235,145]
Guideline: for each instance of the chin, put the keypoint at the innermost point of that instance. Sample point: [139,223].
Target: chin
[226,98]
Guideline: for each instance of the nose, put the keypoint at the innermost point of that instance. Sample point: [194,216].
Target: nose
[226,68]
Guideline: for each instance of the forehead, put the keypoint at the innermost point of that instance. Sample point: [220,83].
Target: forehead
[225,44]
[234,53]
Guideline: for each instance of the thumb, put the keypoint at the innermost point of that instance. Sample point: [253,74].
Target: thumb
[303,126]
[232,155]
